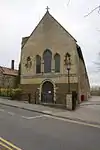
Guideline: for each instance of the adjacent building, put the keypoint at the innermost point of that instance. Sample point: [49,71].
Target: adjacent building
[8,76]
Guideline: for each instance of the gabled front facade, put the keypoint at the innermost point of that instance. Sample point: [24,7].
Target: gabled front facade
[43,69]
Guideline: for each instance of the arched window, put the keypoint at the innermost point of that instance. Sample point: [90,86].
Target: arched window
[47,56]
[38,64]
[57,62]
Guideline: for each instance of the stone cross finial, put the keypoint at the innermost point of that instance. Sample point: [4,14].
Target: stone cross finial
[47,8]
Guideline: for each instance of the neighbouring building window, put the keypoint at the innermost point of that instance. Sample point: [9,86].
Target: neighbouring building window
[57,62]
[38,64]
[47,56]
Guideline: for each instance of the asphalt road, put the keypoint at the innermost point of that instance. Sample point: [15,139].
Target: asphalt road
[34,131]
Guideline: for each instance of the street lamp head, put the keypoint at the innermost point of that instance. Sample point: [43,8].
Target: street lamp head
[68,55]
[68,67]
[67,61]
[67,58]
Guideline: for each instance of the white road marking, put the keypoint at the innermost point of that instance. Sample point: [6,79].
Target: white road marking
[33,117]
[36,117]
[11,113]
[62,119]
[72,121]
[24,117]
[46,111]
[57,118]
[2,110]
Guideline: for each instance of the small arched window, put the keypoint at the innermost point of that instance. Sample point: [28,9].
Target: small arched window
[47,56]
[57,62]
[38,64]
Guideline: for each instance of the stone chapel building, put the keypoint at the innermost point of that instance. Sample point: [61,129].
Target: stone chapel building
[43,69]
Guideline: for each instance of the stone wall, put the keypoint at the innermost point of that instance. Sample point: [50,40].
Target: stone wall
[84,88]
[7,81]
[60,92]
[1,80]
[48,35]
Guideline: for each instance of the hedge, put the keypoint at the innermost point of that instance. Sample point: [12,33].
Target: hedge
[13,93]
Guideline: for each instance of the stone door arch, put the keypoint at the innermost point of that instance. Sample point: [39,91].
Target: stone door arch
[47,92]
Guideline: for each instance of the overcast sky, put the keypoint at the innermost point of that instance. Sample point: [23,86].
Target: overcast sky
[18,18]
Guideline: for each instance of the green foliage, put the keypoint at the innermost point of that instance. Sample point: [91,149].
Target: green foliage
[13,93]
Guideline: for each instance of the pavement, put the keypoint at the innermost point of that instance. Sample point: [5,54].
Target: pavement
[28,130]
[94,100]
[88,111]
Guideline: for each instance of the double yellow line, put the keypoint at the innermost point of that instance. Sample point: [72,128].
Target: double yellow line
[8,145]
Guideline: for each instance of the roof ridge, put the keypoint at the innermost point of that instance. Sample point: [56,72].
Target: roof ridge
[35,28]
[63,27]
[8,68]
[1,68]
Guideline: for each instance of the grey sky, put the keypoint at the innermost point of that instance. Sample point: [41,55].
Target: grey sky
[18,18]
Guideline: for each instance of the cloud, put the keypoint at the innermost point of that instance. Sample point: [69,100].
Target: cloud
[19,18]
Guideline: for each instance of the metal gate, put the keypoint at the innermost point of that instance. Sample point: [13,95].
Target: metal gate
[47,97]
[47,94]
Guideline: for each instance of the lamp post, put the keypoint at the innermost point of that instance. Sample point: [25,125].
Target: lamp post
[68,67]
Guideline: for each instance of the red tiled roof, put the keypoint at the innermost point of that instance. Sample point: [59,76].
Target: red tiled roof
[9,71]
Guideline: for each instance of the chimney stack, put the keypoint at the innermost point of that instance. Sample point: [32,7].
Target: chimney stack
[12,64]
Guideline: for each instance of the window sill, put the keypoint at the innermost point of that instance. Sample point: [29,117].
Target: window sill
[49,73]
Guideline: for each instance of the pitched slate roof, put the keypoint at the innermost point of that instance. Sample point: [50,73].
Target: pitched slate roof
[81,57]
[47,13]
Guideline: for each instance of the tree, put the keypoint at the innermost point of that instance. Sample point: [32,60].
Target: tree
[98,62]
[68,2]
[96,8]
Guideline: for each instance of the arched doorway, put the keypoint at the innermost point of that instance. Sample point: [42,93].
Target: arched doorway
[47,93]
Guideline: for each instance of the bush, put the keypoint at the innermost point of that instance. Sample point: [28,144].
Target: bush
[13,93]
[16,93]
